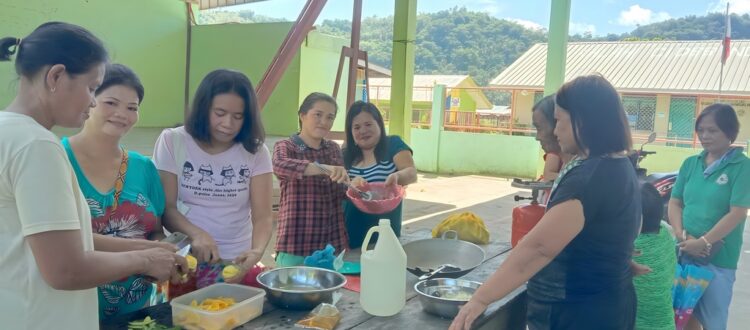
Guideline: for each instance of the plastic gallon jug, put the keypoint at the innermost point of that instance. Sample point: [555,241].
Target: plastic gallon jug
[383,278]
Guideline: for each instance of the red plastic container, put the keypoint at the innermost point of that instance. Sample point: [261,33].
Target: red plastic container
[386,198]
[525,217]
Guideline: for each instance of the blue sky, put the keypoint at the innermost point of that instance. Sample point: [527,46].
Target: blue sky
[596,16]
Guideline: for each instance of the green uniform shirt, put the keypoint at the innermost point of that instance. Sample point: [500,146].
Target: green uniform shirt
[708,199]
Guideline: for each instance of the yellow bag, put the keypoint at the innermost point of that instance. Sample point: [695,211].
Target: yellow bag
[468,225]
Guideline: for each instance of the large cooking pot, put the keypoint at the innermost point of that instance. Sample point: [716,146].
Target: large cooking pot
[426,255]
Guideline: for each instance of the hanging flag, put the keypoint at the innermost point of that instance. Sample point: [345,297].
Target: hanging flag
[727,37]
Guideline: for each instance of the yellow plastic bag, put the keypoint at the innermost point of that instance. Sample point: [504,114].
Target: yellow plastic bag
[468,225]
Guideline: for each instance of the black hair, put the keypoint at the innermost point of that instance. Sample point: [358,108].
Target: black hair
[309,102]
[725,117]
[653,209]
[596,113]
[54,43]
[547,106]
[223,81]
[120,75]
[352,152]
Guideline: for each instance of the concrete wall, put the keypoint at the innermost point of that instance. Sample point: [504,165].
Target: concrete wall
[249,48]
[436,150]
[742,107]
[476,153]
[661,120]
[666,159]
[522,105]
[149,36]
[447,152]
[318,65]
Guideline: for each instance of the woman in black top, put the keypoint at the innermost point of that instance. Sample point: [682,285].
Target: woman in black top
[577,258]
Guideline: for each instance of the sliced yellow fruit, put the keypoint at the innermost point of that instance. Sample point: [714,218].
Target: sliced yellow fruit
[192,262]
[230,271]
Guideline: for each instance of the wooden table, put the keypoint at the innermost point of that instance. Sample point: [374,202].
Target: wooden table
[508,313]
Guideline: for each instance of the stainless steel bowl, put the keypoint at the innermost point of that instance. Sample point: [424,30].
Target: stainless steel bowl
[300,288]
[444,296]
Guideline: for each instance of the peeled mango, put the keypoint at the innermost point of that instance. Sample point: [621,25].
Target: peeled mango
[230,271]
[468,225]
[192,262]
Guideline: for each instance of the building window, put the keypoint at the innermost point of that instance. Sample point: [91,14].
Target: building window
[640,110]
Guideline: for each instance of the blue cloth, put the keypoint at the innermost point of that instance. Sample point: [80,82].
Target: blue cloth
[358,222]
[322,258]
[720,162]
[713,307]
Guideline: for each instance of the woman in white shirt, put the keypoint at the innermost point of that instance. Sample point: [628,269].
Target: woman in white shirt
[50,268]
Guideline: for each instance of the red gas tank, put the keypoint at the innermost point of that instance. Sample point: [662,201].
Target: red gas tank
[525,217]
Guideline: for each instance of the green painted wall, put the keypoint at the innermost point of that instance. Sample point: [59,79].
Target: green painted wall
[147,35]
[666,159]
[503,155]
[476,153]
[249,48]
[318,65]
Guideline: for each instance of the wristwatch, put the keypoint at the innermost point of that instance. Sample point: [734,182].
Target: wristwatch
[708,244]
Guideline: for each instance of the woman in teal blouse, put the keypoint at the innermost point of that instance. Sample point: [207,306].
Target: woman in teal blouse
[122,187]
[372,156]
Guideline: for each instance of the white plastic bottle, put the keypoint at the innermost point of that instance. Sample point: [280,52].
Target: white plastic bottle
[383,275]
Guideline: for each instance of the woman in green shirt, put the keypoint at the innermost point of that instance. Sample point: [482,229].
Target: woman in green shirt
[708,208]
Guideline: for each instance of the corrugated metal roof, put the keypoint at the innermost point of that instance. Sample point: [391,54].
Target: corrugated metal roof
[208,4]
[425,80]
[641,66]
[380,88]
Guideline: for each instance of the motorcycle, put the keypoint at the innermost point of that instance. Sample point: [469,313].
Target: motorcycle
[663,182]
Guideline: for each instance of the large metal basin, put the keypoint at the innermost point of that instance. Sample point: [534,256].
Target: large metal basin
[300,288]
[425,255]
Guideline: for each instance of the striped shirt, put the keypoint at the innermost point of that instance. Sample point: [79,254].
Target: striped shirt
[375,173]
[358,222]
[380,171]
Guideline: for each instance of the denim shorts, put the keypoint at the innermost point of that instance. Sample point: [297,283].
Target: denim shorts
[713,307]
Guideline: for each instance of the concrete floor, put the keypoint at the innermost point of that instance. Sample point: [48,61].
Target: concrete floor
[434,197]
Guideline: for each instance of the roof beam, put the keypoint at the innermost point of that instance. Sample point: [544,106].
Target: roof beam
[288,49]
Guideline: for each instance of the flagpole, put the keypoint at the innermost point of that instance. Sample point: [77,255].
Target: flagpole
[721,80]
[724,52]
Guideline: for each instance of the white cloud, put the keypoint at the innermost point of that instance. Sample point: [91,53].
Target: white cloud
[527,24]
[637,15]
[581,28]
[492,7]
[735,6]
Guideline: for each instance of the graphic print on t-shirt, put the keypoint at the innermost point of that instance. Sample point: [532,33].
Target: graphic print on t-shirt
[226,183]
[187,171]
[227,174]
[244,174]
[206,174]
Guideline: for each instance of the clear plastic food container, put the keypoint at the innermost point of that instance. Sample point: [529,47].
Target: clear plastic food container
[248,305]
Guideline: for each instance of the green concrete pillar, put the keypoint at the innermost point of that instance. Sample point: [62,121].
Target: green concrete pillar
[557,46]
[432,149]
[402,67]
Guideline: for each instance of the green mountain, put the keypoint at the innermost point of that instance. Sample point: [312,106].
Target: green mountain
[459,41]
